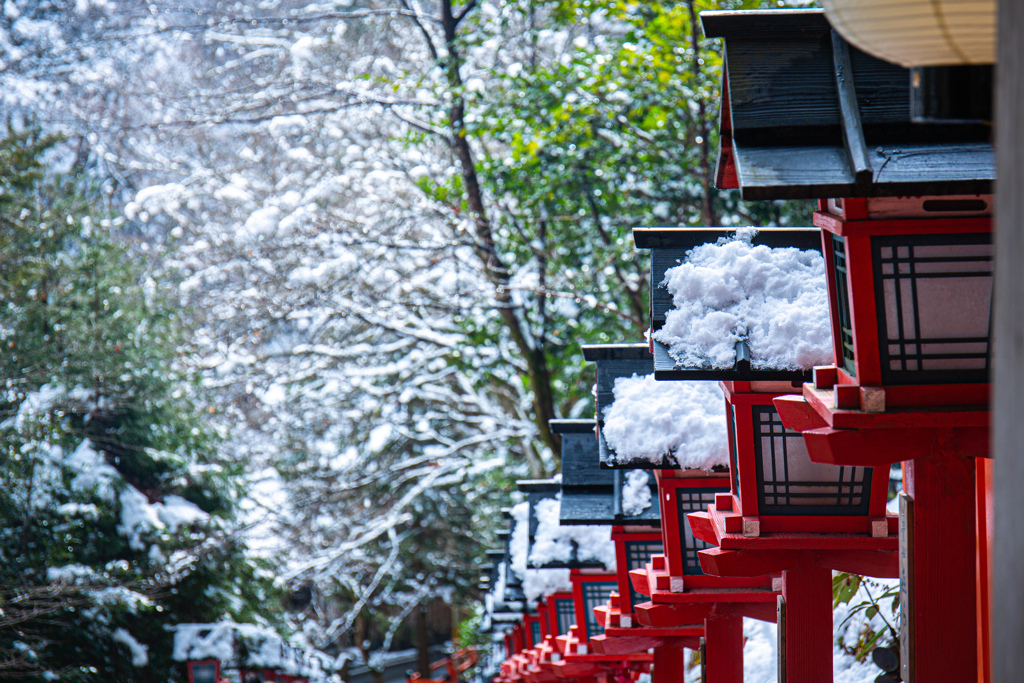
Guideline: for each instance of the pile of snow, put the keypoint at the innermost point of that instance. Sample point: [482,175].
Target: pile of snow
[537,583]
[140,653]
[649,420]
[554,542]
[636,494]
[262,648]
[775,299]
[139,517]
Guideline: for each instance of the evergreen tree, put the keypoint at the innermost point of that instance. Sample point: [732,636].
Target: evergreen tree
[114,510]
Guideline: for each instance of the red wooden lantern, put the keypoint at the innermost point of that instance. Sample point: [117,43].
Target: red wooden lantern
[910,285]
[783,513]
[684,605]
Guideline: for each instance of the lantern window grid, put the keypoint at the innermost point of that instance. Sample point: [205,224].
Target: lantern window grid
[546,615]
[535,632]
[595,594]
[835,490]
[566,613]
[204,673]
[638,554]
[932,273]
[687,501]
[843,304]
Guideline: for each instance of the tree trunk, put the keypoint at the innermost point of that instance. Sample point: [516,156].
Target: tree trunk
[538,372]
[708,212]
[422,629]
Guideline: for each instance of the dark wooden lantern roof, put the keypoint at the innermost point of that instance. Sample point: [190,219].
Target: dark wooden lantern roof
[592,494]
[668,249]
[806,115]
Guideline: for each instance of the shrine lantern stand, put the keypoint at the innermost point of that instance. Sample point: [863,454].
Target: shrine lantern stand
[591,583]
[687,609]
[782,514]
[904,210]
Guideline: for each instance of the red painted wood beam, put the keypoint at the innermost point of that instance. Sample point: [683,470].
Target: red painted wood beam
[877,563]
[944,574]
[882,447]
[808,595]
[669,663]
[723,649]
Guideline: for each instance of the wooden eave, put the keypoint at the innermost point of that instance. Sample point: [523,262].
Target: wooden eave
[805,115]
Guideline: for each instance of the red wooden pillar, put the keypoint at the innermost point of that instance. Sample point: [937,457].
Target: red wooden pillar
[723,649]
[808,595]
[669,663]
[944,573]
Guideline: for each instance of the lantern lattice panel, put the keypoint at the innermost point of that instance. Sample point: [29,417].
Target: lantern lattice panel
[566,613]
[595,594]
[843,303]
[638,554]
[535,632]
[790,484]
[687,501]
[934,300]
[204,673]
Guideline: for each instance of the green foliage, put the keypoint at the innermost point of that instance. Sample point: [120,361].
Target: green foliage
[99,427]
[845,587]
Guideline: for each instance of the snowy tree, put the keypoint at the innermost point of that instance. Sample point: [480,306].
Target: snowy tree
[393,222]
[115,508]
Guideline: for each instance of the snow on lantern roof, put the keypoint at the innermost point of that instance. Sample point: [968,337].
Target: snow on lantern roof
[550,544]
[592,494]
[246,645]
[805,115]
[537,583]
[738,304]
[651,422]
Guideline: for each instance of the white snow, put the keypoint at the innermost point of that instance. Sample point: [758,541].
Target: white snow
[537,583]
[175,511]
[649,419]
[554,542]
[266,649]
[775,299]
[139,517]
[71,573]
[636,494]
[204,641]
[261,222]
[140,653]
[92,472]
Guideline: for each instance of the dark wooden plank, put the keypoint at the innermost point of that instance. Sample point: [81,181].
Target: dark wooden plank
[814,171]
[614,352]
[570,426]
[666,368]
[581,463]
[1008,401]
[849,110]
[580,508]
[767,23]
[780,83]
[684,239]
